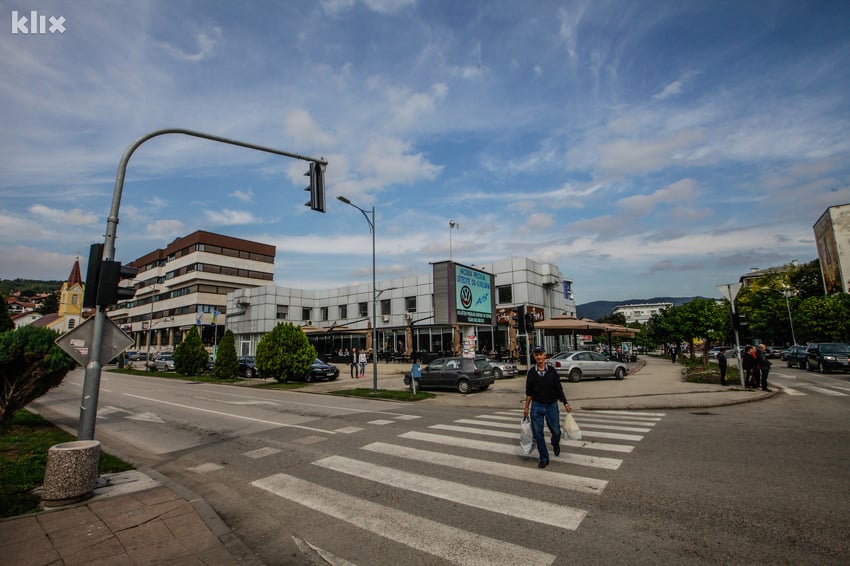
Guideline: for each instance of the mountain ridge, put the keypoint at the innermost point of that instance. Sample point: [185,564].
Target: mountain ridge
[595,310]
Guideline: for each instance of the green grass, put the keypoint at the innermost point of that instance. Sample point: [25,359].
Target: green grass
[404,395]
[23,459]
[173,375]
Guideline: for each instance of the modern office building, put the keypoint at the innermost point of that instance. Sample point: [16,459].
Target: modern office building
[416,313]
[185,285]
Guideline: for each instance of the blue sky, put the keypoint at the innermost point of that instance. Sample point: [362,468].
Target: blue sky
[647,148]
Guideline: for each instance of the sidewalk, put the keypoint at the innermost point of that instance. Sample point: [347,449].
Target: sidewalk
[136,519]
[143,518]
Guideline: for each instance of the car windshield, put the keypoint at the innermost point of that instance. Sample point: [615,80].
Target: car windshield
[481,364]
[835,348]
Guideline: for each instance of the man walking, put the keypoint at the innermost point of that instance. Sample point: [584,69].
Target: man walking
[543,390]
[721,361]
[354,363]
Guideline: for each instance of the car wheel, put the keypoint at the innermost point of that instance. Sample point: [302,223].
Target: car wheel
[497,373]
[821,368]
[407,381]
[463,385]
[789,364]
[333,378]
[575,375]
[249,373]
[308,378]
[619,373]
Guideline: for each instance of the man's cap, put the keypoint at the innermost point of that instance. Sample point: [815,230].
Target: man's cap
[539,349]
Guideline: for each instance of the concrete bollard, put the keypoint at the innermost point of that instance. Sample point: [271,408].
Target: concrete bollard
[71,473]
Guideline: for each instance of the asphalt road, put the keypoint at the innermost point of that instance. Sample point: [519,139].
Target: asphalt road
[298,475]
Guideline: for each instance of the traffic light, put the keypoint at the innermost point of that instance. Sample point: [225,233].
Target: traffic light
[317,187]
[518,318]
[529,322]
[739,321]
[92,276]
[111,273]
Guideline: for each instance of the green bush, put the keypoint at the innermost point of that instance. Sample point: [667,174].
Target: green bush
[285,353]
[30,365]
[226,365]
[190,356]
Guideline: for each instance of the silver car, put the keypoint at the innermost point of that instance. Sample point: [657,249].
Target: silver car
[164,362]
[576,365]
[500,369]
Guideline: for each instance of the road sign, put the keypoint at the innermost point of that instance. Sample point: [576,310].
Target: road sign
[730,291]
[78,342]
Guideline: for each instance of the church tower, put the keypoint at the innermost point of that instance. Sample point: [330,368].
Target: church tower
[71,299]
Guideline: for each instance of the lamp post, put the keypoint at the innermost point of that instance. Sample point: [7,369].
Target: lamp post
[452,226]
[374,292]
[786,291]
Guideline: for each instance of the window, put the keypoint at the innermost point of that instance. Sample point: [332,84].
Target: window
[323,313]
[386,309]
[343,311]
[74,299]
[363,309]
[410,304]
[282,312]
[305,313]
[504,294]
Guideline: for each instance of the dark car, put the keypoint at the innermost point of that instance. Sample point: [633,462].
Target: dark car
[794,356]
[247,367]
[320,370]
[463,374]
[828,356]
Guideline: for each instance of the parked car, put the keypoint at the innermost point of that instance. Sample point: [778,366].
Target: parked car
[828,356]
[164,361]
[795,356]
[320,370]
[247,367]
[712,354]
[463,374]
[576,365]
[500,369]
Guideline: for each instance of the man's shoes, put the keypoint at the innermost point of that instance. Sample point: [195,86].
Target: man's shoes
[767,389]
[542,464]
[557,449]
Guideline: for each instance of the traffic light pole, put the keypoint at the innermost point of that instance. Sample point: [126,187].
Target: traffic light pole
[91,383]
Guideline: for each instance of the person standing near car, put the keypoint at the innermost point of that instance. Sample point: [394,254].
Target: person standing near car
[748,362]
[354,361]
[543,390]
[762,366]
[722,363]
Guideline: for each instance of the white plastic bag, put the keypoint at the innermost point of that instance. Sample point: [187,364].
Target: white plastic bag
[570,427]
[526,437]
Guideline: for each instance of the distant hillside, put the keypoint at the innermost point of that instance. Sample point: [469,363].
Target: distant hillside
[7,286]
[599,309]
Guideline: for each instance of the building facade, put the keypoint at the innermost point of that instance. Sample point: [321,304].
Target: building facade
[339,319]
[185,286]
[640,313]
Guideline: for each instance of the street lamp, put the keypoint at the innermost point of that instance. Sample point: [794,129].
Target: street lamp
[788,292]
[374,292]
[452,225]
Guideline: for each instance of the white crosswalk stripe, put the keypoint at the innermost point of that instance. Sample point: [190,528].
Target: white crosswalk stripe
[821,390]
[454,545]
[489,444]
[788,390]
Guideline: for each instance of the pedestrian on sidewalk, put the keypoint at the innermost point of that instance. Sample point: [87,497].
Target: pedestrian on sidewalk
[543,390]
[673,351]
[363,359]
[722,363]
[763,366]
[748,362]
[354,361]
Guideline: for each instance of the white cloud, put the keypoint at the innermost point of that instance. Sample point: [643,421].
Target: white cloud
[229,217]
[74,216]
[166,230]
[245,196]
[671,89]
[683,190]
[300,127]
[205,43]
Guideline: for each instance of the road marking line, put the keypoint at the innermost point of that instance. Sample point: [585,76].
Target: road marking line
[223,414]
[822,390]
[788,390]
[578,459]
[261,452]
[630,414]
[611,435]
[586,424]
[574,443]
[603,419]
[556,480]
[507,504]
[451,544]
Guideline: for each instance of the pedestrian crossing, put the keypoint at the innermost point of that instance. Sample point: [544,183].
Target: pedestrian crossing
[789,385]
[483,448]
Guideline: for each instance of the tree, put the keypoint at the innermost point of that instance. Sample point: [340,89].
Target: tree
[806,280]
[5,320]
[285,353]
[823,319]
[50,304]
[226,365]
[30,365]
[190,356]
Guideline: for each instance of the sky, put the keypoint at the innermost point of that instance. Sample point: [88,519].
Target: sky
[649,148]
